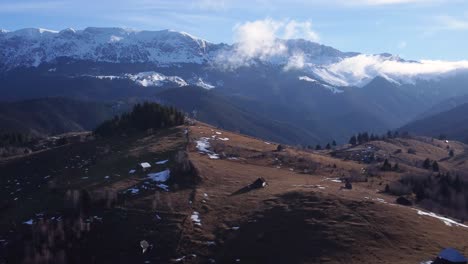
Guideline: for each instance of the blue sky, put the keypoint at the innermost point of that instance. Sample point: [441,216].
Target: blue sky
[413,29]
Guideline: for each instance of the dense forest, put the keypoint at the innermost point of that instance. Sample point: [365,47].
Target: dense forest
[142,117]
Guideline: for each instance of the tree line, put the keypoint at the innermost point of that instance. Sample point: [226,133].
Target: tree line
[365,137]
[14,139]
[142,117]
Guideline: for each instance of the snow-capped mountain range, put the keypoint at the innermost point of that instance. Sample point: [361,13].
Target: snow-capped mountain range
[33,46]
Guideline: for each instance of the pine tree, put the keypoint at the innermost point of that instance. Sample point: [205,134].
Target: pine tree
[435,166]
[386,166]
[427,164]
[353,140]
[318,147]
[328,146]
[396,167]
[365,137]
[389,134]
[451,153]
[334,143]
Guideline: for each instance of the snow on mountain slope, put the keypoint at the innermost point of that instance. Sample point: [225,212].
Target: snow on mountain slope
[201,83]
[155,79]
[148,79]
[31,47]
[329,87]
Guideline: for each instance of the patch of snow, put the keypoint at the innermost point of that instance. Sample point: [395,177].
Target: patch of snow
[218,133]
[160,176]
[200,83]
[196,218]
[268,143]
[131,171]
[52,70]
[447,221]
[179,259]
[235,228]
[163,186]
[162,162]
[151,78]
[105,77]
[223,139]
[133,190]
[106,177]
[307,79]
[203,144]
[380,200]
[309,186]
[213,156]
[329,87]
[334,180]
[29,222]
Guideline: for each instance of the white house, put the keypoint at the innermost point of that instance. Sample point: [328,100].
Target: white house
[144,166]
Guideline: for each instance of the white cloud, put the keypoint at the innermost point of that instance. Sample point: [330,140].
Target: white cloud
[294,29]
[360,69]
[296,61]
[262,39]
[258,38]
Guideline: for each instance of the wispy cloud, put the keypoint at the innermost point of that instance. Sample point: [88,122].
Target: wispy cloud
[360,69]
[452,23]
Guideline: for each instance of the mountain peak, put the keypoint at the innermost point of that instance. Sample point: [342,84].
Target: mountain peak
[31,32]
[34,46]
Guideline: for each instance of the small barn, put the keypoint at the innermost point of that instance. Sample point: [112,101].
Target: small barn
[259,183]
[144,166]
[450,256]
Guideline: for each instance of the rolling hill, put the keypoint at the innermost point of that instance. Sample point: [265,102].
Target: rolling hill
[49,116]
[452,124]
[196,204]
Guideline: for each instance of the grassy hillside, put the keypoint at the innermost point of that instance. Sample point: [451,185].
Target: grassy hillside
[67,202]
